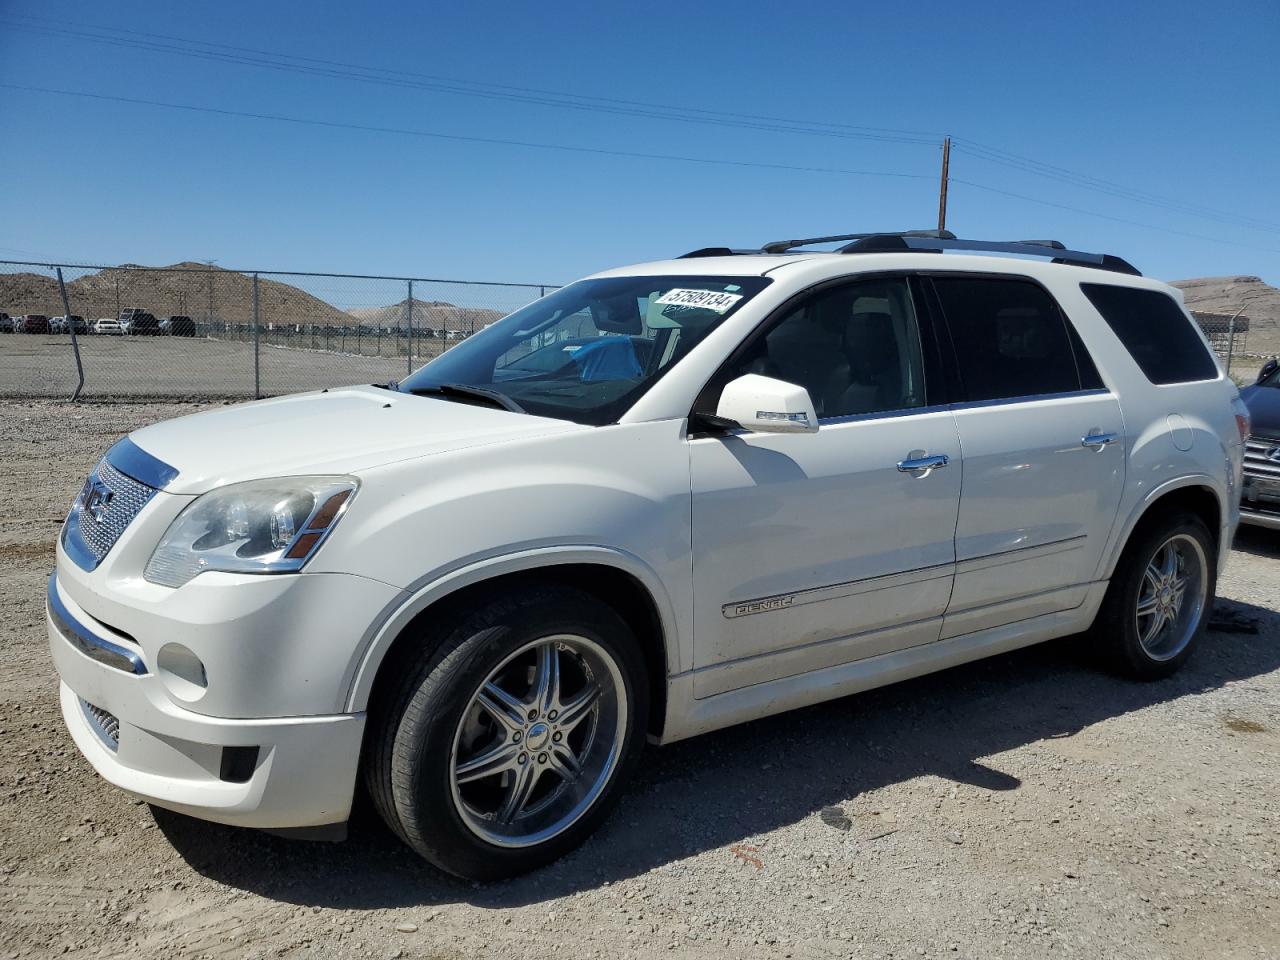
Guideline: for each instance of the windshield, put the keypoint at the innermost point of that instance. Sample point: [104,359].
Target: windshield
[588,351]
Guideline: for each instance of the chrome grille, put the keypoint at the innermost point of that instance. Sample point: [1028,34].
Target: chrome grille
[104,724]
[1256,461]
[107,504]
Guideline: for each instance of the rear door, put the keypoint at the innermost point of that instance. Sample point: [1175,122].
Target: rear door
[1044,452]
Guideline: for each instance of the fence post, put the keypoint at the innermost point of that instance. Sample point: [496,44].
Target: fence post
[257,346]
[75,344]
[408,323]
[1231,340]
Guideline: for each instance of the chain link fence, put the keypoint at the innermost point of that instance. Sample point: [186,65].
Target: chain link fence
[199,331]
[1228,334]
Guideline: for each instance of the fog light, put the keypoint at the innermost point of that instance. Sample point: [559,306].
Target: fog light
[182,672]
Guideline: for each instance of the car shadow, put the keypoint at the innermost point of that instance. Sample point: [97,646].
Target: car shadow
[722,788]
[1257,541]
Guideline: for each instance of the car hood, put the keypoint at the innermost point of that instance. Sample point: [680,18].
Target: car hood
[328,432]
[1264,409]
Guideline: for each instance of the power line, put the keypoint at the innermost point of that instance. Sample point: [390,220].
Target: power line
[315,66]
[405,79]
[371,128]
[918,135]
[1063,175]
[1105,216]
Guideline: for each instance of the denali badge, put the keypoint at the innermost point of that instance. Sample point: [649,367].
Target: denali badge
[758,606]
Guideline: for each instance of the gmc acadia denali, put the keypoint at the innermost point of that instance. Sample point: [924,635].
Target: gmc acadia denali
[662,500]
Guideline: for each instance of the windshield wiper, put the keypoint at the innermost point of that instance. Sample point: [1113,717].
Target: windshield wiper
[463,391]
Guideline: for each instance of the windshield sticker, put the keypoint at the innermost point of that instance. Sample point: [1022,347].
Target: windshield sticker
[703,299]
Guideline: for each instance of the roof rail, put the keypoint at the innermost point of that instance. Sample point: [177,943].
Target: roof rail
[935,241]
[782,246]
[1054,249]
[715,252]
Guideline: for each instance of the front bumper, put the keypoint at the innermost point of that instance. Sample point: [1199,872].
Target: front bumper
[301,774]
[1260,483]
[1260,518]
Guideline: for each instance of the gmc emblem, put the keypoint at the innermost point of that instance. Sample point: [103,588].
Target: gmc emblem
[97,499]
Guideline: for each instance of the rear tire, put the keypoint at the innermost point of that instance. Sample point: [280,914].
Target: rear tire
[1157,606]
[508,743]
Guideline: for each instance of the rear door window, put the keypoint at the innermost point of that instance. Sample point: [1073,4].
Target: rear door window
[1011,339]
[1156,332]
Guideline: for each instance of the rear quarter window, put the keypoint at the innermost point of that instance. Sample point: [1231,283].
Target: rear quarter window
[1156,331]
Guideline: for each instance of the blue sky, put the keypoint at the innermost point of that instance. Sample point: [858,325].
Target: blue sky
[1171,101]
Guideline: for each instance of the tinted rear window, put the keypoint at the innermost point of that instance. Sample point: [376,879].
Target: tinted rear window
[1011,339]
[1155,331]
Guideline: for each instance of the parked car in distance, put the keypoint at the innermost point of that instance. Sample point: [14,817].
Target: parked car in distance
[178,326]
[6,323]
[145,325]
[66,324]
[33,323]
[1260,491]
[140,323]
[659,501]
[109,325]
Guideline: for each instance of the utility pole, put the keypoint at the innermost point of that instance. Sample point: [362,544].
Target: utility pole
[942,187]
[208,319]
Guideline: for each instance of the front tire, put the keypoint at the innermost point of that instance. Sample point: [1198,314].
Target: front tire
[1157,606]
[507,745]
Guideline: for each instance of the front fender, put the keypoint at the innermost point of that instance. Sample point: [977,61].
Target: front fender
[435,587]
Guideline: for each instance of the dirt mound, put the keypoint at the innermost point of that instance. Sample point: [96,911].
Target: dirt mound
[193,289]
[203,292]
[1226,295]
[428,315]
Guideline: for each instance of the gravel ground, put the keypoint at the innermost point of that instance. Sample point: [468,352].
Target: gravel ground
[33,366]
[1024,806]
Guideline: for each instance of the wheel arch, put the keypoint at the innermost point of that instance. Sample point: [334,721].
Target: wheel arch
[618,579]
[1194,494]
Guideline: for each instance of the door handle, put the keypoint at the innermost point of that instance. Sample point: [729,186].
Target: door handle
[1099,440]
[923,463]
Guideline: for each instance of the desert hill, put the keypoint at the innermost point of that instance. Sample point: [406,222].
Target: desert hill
[1226,295]
[224,295]
[428,315]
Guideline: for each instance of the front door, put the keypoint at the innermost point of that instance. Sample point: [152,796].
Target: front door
[812,550]
[1044,453]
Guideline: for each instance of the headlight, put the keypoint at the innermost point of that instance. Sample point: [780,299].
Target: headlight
[264,526]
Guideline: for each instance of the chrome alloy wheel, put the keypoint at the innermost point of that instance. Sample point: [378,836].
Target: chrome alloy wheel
[539,741]
[1171,597]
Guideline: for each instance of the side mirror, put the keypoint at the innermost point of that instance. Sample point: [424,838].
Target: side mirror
[1268,368]
[765,405]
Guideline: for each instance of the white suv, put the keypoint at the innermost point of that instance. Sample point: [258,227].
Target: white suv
[662,500]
